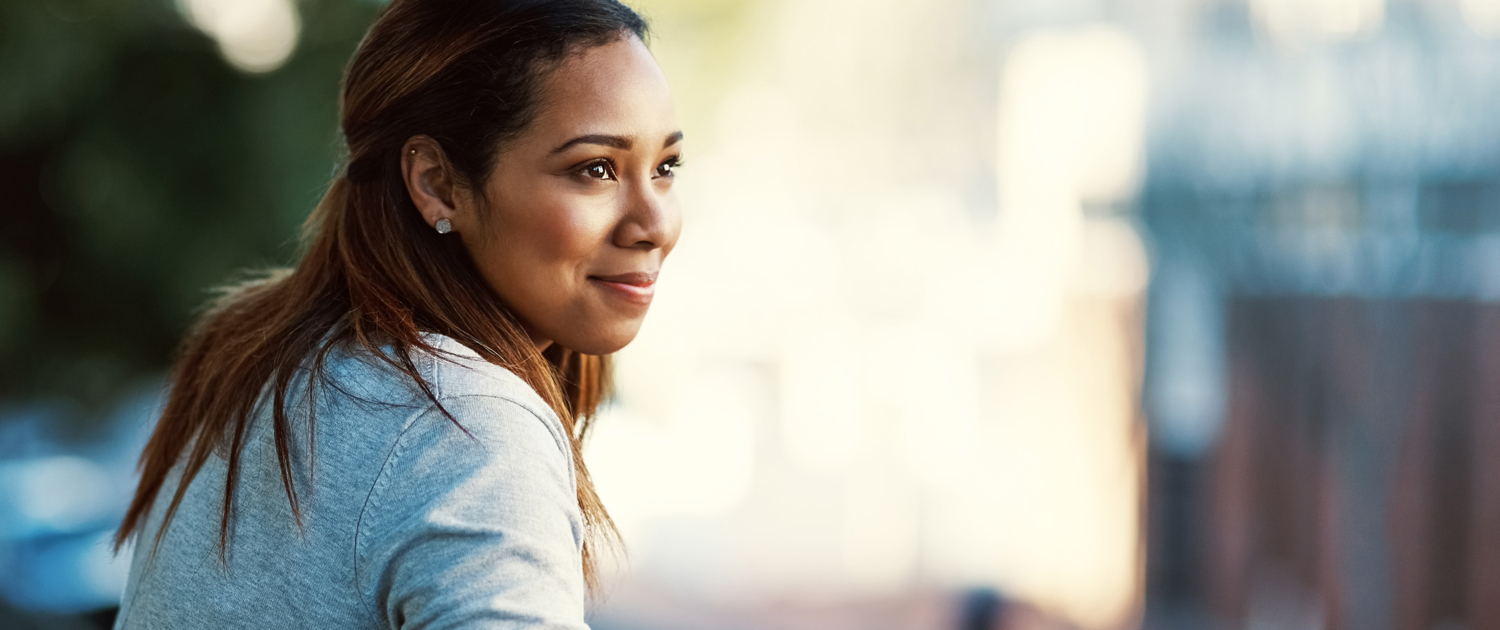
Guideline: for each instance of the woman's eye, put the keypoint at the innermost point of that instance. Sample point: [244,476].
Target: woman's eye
[668,168]
[598,170]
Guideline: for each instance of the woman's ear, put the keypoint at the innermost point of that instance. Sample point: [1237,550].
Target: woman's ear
[429,180]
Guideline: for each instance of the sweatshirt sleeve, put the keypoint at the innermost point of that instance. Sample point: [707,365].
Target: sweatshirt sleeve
[477,531]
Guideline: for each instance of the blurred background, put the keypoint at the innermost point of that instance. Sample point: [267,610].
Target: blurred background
[1022,314]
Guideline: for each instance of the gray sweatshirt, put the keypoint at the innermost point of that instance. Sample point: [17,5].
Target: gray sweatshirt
[407,522]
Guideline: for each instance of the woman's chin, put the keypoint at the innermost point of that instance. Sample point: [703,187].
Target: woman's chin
[607,339]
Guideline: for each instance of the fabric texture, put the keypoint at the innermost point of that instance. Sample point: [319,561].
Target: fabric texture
[408,520]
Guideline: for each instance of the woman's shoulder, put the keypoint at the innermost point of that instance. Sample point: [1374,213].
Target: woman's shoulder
[475,510]
[449,369]
[456,371]
[459,381]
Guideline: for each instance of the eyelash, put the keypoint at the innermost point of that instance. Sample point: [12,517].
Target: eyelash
[672,163]
[607,165]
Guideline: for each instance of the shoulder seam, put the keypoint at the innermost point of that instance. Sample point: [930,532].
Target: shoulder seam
[398,448]
[381,480]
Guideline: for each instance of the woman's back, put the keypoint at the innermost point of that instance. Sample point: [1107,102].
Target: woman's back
[407,520]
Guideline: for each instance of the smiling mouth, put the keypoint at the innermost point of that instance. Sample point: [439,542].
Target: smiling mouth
[635,287]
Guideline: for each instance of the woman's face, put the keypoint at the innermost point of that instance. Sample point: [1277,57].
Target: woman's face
[578,214]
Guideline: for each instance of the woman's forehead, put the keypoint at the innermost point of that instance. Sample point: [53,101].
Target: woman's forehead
[616,89]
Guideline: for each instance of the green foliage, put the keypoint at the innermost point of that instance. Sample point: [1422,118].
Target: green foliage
[137,171]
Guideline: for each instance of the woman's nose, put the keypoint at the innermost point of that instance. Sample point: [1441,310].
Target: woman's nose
[650,220]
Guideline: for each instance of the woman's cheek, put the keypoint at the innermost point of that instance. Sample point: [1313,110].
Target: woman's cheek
[574,231]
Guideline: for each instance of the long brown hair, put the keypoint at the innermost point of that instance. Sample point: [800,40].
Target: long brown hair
[373,274]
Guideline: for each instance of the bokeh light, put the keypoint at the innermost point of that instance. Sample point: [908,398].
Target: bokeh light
[255,36]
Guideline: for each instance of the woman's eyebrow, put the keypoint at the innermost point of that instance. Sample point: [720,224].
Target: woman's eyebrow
[617,142]
[622,143]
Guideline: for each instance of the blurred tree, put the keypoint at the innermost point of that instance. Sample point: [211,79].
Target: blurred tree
[137,171]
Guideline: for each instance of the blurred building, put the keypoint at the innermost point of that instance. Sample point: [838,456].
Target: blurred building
[1322,199]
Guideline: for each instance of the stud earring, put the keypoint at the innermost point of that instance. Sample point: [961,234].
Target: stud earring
[443,226]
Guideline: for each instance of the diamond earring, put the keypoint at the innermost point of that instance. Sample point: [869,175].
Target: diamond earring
[443,226]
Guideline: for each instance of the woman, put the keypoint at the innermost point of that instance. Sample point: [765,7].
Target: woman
[388,435]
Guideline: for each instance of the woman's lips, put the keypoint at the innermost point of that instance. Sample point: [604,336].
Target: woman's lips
[635,287]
